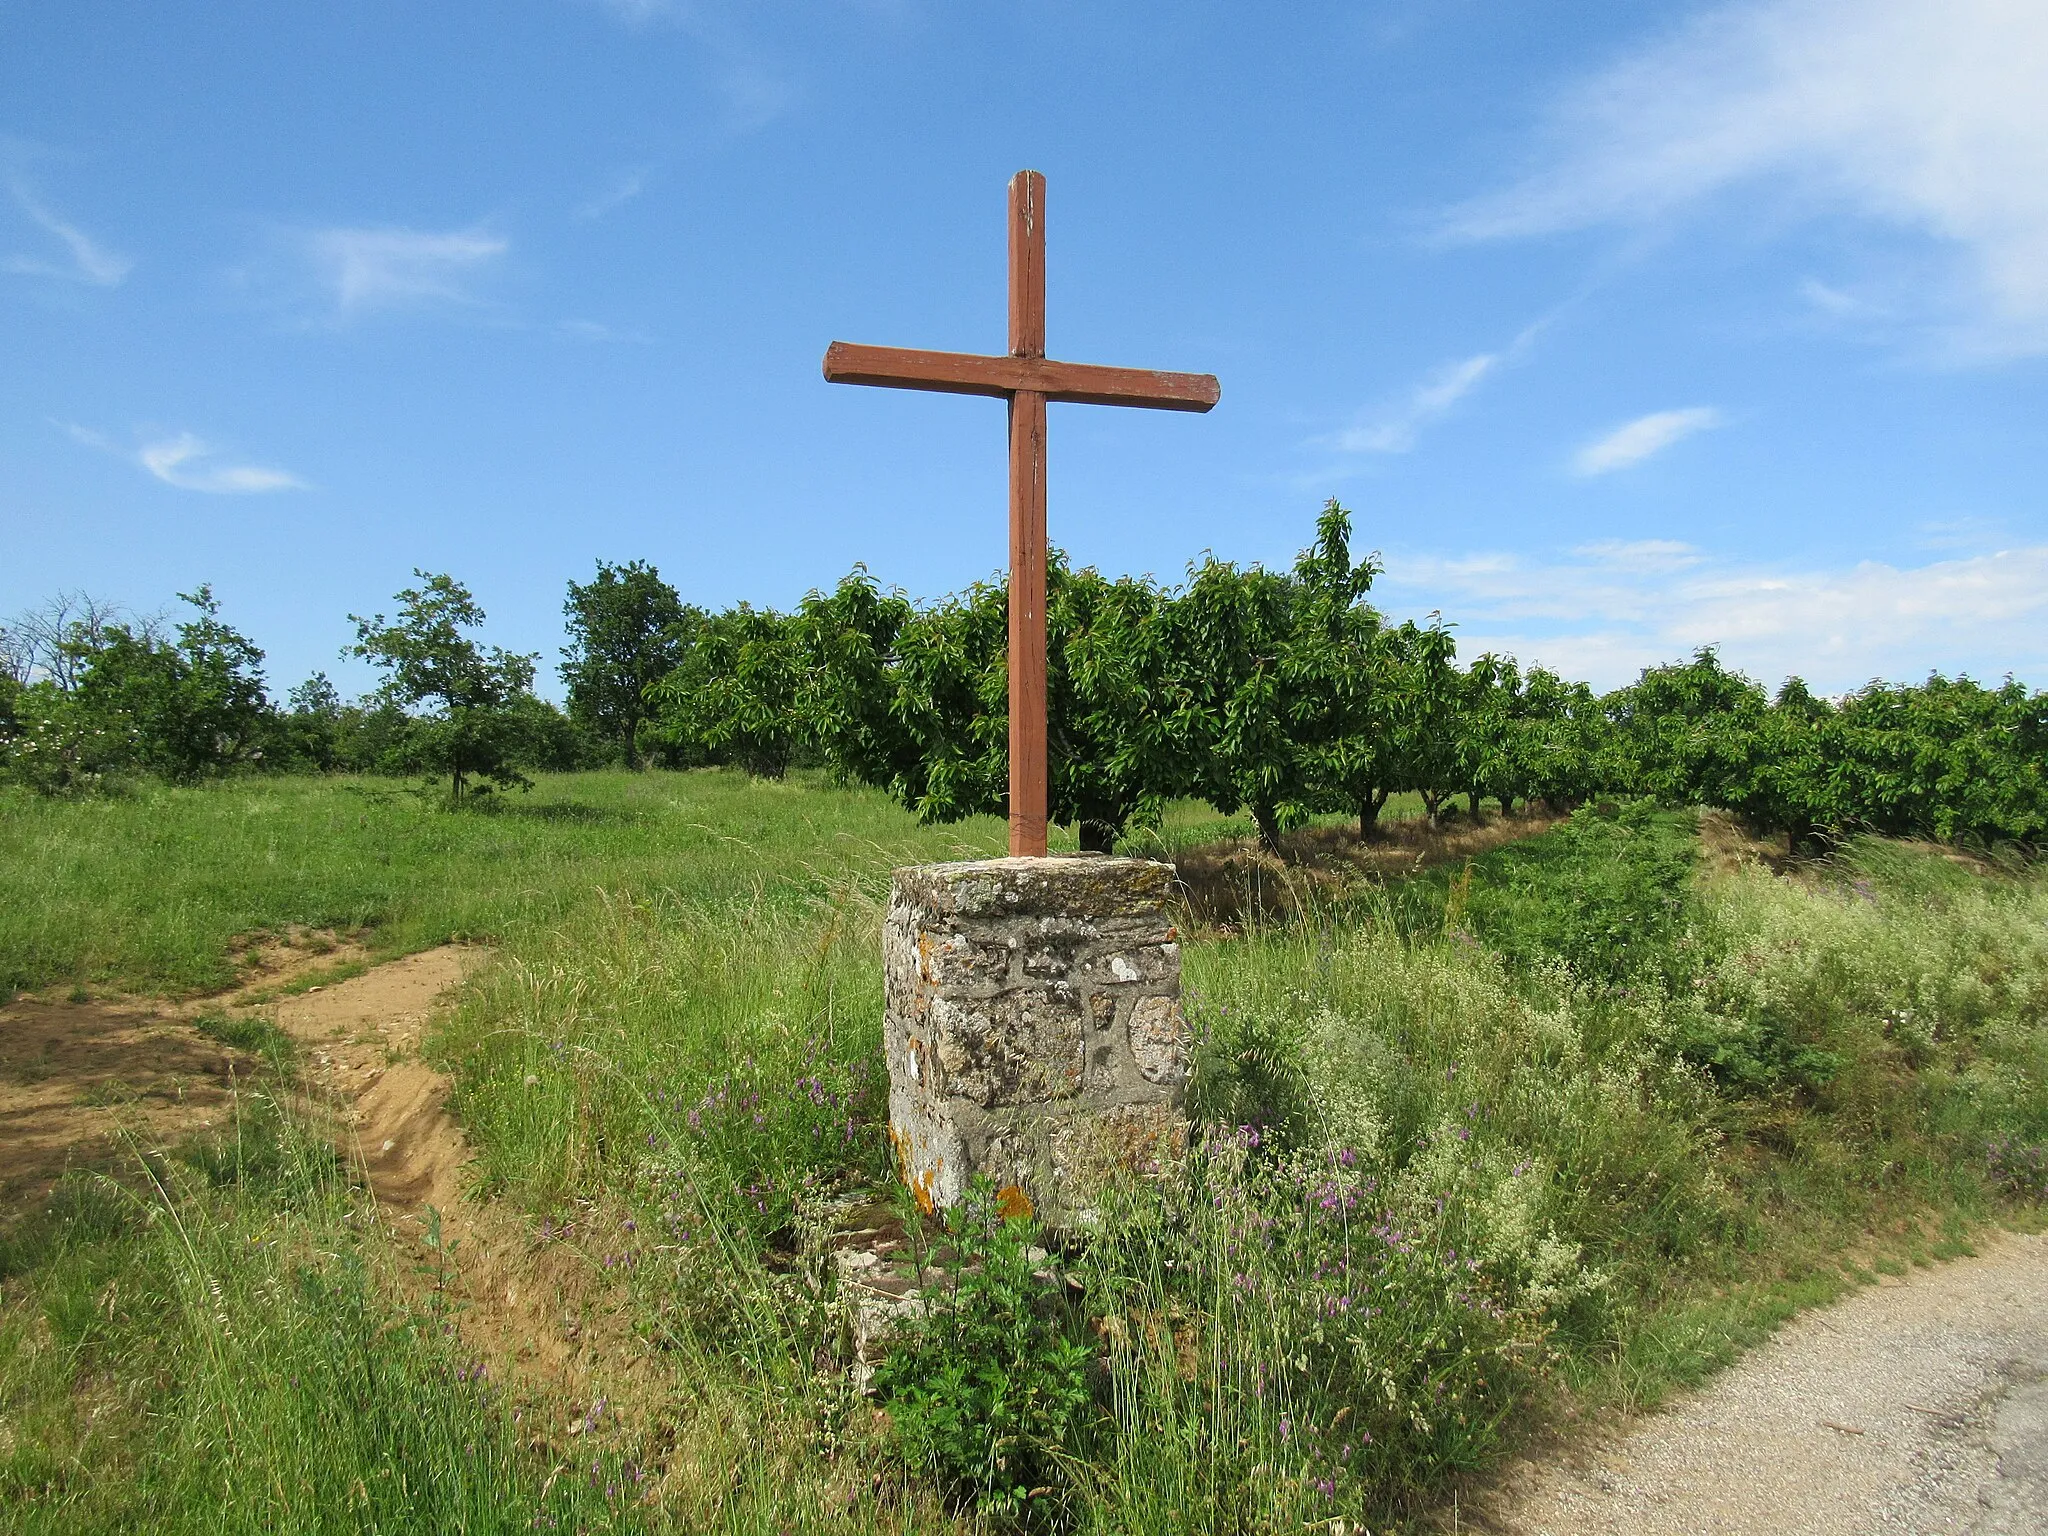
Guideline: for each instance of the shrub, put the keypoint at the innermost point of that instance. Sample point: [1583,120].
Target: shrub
[1608,894]
[988,1390]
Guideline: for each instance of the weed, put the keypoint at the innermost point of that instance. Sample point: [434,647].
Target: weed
[247,1032]
[988,1391]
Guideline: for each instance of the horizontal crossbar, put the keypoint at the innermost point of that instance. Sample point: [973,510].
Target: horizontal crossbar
[969,373]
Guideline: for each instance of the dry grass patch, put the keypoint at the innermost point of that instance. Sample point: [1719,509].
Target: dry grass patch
[1234,883]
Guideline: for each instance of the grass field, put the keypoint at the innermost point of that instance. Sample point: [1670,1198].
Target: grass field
[1567,1124]
[145,891]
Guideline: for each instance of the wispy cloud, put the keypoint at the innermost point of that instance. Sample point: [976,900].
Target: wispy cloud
[1613,608]
[361,270]
[598,331]
[620,189]
[1927,115]
[638,13]
[85,260]
[1647,557]
[190,463]
[1394,430]
[1642,438]
[751,90]
[753,94]
[1394,426]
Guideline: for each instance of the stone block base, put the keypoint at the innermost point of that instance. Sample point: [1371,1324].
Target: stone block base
[1033,1028]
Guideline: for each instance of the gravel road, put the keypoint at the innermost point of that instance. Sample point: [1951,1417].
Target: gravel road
[1918,1405]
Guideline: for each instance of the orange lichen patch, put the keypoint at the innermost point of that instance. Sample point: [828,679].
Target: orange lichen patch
[921,1182]
[1014,1203]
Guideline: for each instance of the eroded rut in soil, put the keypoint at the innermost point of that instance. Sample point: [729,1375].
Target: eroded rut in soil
[532,1307]
[91,1083]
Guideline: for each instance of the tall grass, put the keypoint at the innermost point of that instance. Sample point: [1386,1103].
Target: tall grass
[204,1348]
[1484,1130]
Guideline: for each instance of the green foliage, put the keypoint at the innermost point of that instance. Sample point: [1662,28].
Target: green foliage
[1284,694]
[1948,759]
[182,709]
[309,730]
[627,630]
[465,703]
[987,1391]
[734,697]
[1262,662]
[55,746]
[1609,895]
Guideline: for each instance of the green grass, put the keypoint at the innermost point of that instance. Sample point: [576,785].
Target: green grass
[206,1350]
[1574,1121]
[247,1032]
[145,891]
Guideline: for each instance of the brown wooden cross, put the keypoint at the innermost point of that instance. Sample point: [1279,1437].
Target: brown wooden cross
[1026,378]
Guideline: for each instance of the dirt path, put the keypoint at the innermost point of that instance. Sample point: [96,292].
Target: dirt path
[1917,1406]
[536,1305]
[82,1078]
[360,1040]
[85,1082]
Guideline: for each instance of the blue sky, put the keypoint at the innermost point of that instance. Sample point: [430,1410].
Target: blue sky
[1621,327]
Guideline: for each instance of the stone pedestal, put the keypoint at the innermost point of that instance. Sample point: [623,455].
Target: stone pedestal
[1034,1030]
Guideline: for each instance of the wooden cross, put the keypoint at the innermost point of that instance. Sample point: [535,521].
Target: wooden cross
[1026,378]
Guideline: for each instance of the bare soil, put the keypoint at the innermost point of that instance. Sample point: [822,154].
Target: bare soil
[83,1078]
[1919,1405]
[87,1083]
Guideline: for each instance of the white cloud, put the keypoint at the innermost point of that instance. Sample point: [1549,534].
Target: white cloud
[1648,556]
[1621,606]
[1928,115]
[1395,431]
[89,261]
[183,461]
[1394,428]
[190,464]
[1643,437]
[621,189]
[361,270]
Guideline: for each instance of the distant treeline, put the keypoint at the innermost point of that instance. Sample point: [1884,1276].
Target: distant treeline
[1279,694]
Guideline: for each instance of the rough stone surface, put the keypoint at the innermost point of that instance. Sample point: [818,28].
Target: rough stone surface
[1033,1030]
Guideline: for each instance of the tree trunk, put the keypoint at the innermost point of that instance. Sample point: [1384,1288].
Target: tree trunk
[1370,805]
[1472,803]
[1268,821]
[1432,802]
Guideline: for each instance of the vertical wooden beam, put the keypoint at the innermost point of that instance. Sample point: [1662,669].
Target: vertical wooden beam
[1027,264]
[1027,624]
[1028,798]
